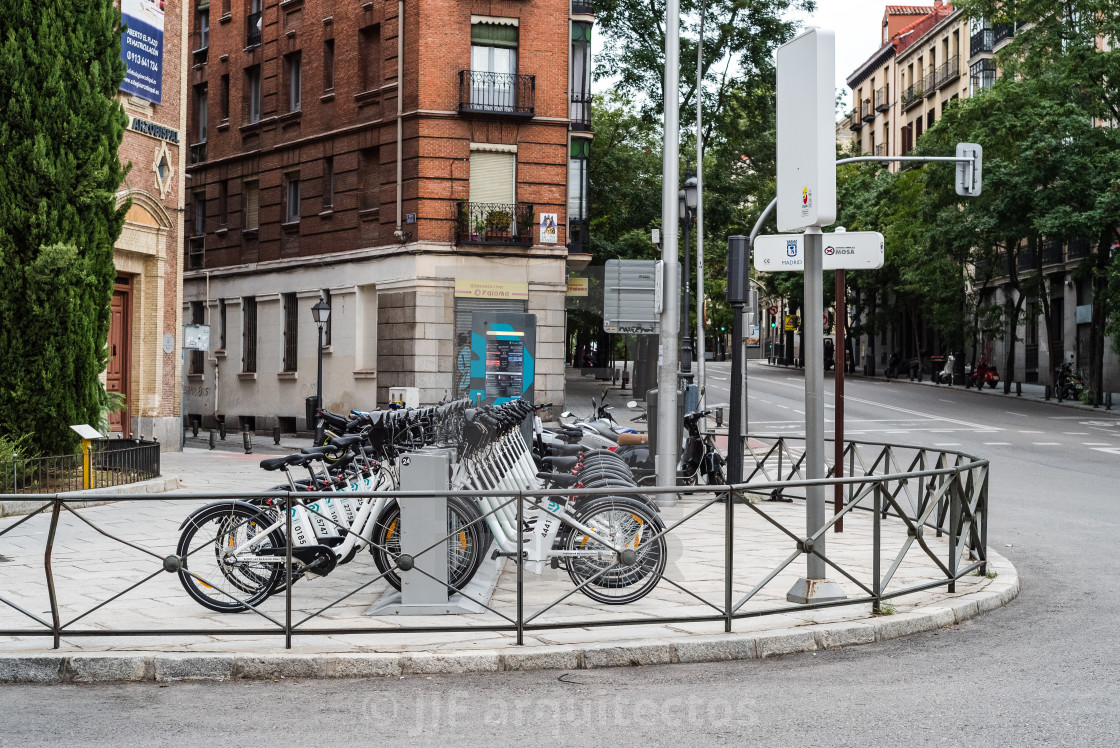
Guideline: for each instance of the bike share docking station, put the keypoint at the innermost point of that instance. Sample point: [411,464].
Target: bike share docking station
[424,547]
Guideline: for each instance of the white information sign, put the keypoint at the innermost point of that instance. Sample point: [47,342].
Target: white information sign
[843,250]
[196,337]
[806,131]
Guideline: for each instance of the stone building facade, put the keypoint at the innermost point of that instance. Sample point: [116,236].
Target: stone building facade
[406,172]
[145,329]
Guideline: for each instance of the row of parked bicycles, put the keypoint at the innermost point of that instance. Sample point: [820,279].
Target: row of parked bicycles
[233,554]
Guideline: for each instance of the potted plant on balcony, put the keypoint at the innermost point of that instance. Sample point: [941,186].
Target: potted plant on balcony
[479,229]
[498,224]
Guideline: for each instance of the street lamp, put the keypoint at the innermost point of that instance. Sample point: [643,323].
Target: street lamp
[687,200]
[321,312]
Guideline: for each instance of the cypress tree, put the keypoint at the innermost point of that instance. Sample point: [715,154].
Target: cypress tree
[60,128]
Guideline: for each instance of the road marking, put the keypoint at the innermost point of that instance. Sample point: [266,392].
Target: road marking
[1021,415]
[1096,444]
[1076,433]
[1048,444]
[919,413]
[795,410]
[941,431]
[946,444]
[1032,432]
[946,401]
[721,379]
[997,444]
[1111,451]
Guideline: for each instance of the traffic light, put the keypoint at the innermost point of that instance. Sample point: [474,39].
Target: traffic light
[722,328]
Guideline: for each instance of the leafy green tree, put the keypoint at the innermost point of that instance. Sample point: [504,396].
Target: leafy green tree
[60,128]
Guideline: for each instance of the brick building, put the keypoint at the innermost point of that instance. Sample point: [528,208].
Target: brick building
[144,335]
[407,173]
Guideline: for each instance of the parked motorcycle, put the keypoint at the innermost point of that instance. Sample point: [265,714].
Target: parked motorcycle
[984,373]
[1068,383]
[893,361]
[945,374]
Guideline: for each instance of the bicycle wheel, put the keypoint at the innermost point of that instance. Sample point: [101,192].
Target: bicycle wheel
[466,543]
[210,575]
[597,570]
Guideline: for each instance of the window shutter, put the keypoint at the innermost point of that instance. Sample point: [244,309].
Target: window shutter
[492,177]
[252,209]
[494,35]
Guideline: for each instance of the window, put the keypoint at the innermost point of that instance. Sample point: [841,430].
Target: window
[202,21]
[369,57]
[906,135]
[369,169]
[198,358]
[291,198]
[248,334]
[328,183]
[292,75]
[221,324]
[492,177]
[918,128]
[291,331]
[224,96]
[198,202]
[200,108]
[223,203]
[578,159]
[931,117]
[253,93]
[328,65]
[982,76]
[251,206]
[493,65]
[325,294]
[581,73]
[254,24]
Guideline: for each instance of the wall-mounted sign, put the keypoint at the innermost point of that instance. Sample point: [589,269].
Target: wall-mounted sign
[481,289]
[142,48]
[169,134]
[792,322]
[577,287]
[548,228]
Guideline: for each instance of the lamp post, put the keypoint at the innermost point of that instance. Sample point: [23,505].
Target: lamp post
[687,199]
[321,312]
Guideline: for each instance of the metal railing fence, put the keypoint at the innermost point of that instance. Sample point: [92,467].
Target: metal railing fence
[113,462]
[904,507]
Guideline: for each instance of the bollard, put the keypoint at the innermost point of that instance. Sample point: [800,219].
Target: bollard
[222,430]
[1108,401]
[276,435]
[213,438]
[1018,389]
[1046,393]
[719,417]
[194,427]
[247,438]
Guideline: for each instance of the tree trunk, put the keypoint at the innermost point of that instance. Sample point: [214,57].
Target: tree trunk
[1100,316]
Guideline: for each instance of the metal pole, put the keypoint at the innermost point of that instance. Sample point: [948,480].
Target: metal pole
[838,430]
[686,338]
[701,342]
[735,423]
[814,587]
[667,428]
[319,379]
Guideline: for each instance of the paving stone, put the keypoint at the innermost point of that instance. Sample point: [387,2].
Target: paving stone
[110,668]
[621,654]
[787,641]
[174,667]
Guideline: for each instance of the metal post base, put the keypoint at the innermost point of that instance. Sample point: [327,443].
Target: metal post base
[806,591]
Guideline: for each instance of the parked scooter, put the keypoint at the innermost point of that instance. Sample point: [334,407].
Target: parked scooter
[893,361]
[1068,383]
[945,375]
[984,373]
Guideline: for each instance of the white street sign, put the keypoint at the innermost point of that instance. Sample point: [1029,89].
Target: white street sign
[970,173]
[847,250]
[806,131]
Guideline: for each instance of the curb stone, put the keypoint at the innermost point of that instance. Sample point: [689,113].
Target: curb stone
[166,667]
[162,484]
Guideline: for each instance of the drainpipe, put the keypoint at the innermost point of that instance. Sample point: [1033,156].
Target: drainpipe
[400,104]
[210,355]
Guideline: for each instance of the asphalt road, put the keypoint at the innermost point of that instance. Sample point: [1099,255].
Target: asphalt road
[1043,670]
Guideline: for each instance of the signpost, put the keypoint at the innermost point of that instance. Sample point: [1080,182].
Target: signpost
[631,296]
[847,250]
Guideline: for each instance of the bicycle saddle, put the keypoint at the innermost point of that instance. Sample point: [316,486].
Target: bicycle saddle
[562,480]
[278,462]
[565,450]
[558,464]
[345,442]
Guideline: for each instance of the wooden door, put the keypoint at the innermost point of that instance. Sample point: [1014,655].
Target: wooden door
[117,373]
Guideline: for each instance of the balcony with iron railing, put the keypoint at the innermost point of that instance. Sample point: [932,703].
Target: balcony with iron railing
[866,113]
[1026,259]
[929,84]
[581,112]
[1051,252]
[579,239]
[253,29]
[493,223]
[500,94]
[912,96]
[854,122]
[880,149]
[1002,31]
[980,43]
[948,72]
[1078,248]
[583,7]
[196,246]
[198,152]
[882,99]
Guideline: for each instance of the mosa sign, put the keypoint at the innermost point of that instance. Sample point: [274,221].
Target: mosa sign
[845,250]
